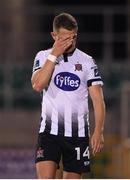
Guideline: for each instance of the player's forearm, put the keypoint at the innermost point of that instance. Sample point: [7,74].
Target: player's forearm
[99,113]
[41,79]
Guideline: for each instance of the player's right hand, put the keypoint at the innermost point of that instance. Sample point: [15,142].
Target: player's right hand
[61,44]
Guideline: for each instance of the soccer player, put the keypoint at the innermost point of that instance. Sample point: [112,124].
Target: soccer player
[65,75]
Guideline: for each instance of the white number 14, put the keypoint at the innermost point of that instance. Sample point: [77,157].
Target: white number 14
[85,154]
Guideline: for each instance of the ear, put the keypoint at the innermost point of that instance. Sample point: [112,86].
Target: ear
[53,34]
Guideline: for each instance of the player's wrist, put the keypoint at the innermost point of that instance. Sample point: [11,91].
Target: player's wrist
[52,58]
[56,52]
[98,131]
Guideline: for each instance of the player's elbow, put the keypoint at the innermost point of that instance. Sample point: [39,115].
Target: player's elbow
[37,87]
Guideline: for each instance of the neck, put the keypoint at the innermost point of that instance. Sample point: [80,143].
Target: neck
[70,51]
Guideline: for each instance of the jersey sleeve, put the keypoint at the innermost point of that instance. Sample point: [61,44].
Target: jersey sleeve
[39,60]
[93,75]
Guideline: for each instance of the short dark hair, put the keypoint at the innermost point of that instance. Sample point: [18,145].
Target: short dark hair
[64,20]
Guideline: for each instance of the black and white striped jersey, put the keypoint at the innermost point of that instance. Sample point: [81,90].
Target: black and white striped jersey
[65,103]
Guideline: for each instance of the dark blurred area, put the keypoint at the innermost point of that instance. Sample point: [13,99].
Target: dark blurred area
[104,33]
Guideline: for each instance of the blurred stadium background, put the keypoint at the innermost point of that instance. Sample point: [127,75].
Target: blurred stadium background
[104,33]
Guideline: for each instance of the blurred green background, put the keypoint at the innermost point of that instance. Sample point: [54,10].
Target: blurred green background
[104,33]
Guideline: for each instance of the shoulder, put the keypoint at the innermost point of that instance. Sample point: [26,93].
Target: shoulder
[43,53]
[84,56]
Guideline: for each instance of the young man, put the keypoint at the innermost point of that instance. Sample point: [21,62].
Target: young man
[65,75]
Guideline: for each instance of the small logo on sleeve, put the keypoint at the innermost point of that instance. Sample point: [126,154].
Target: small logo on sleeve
[36,63]
[96,72]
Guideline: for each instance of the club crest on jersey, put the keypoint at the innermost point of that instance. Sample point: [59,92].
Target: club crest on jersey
[67,81]
[78,67]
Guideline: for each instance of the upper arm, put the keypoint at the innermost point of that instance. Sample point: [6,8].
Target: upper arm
[34,75]
[93,75]
[39,61]
[94,81]
[37,65]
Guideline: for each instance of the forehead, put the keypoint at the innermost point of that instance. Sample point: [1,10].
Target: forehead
[63,31]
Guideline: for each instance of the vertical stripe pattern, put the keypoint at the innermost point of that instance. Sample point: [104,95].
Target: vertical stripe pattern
[48,120]
[86,124]
[61,127]
[69,125]
[75,124]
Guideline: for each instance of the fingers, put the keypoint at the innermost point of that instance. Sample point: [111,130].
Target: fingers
[65,37]
[61,44]
[96,146]
[65,42]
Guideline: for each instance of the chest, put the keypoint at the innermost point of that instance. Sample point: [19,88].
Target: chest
[74,67]
[69,75]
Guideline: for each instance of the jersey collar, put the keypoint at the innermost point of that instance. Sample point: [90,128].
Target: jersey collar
[70,53]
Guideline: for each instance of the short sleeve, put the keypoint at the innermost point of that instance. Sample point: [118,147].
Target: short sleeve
[39,60]
[93,75]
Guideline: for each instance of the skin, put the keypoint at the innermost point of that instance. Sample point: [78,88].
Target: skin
[97,139]
[65,41]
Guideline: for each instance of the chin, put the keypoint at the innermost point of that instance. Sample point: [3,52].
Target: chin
[69,49]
